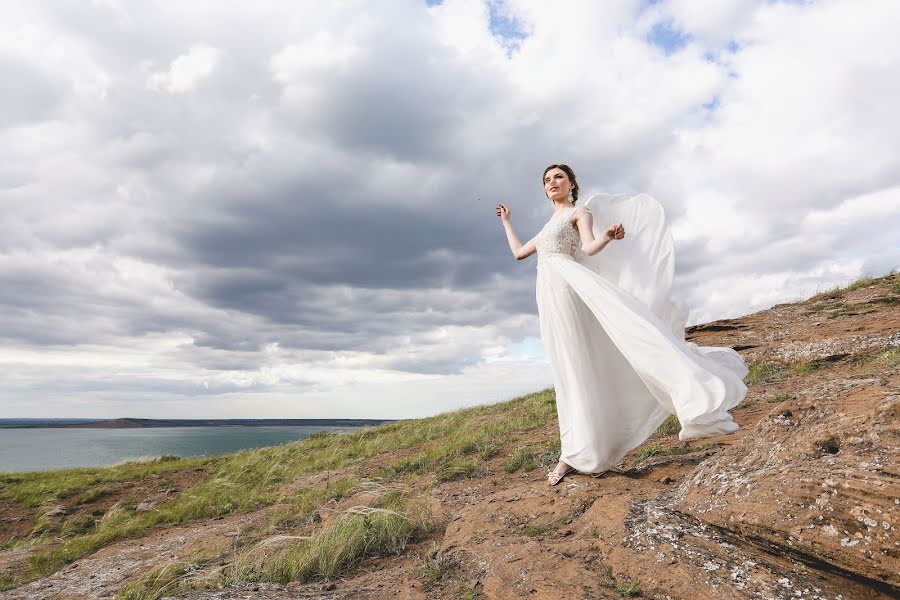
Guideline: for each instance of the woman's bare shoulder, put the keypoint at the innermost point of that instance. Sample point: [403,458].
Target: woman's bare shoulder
[578,210]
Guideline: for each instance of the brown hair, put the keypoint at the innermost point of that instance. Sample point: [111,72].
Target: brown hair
[570,173]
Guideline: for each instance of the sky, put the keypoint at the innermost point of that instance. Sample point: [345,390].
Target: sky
[285,209]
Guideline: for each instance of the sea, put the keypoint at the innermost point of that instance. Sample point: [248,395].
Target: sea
[37,448]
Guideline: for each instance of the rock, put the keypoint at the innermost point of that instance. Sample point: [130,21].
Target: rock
[807,491]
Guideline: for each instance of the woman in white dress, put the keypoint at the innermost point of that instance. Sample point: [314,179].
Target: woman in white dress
[613,335]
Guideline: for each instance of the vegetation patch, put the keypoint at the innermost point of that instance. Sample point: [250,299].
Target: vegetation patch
[875,361]
[668,427]
[827,305]
[658,450]
[458,469]
[171,578]
[623,586]
[383,527]
[780,398]
[434,566]
[538,529]
[523,458]
[890,358]
[456,442]
[864,281]
[550,452]
[647,452]
[763,371]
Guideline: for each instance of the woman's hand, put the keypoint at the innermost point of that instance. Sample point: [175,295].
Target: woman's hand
[615,232]
[503,212]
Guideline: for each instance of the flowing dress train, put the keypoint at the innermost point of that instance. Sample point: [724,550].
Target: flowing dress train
[614,337]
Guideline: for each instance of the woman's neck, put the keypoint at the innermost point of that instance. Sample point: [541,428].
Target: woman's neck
[561,206]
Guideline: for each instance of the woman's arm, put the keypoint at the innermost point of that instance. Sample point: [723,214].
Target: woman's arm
[584,220]
[519,250]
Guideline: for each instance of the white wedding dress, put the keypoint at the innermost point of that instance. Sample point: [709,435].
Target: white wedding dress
[615,337]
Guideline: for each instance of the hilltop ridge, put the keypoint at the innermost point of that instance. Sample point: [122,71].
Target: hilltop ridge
[802,502]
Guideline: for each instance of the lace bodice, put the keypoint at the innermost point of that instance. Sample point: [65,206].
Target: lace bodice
[560,234]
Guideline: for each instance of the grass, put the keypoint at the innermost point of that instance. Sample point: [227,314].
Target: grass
[538,529]
[461,447]
[532,529]
[625,587]
[781,398]
[628,588]
[459,469]
[668,427]
[523,458]
[889,280]
[174,577]
[383,527]
[874,361]
[763,371]
[435,566]
[827,305]
[892,284]
[804,367]
[34,489]
[550,452]
[890,358]
[658,450]
[453,445]
[647,452]
[767,371]
[864,281]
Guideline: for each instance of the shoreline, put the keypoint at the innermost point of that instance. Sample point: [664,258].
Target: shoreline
[132,423]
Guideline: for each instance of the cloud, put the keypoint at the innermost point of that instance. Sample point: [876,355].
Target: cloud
[186,71]
[300,222]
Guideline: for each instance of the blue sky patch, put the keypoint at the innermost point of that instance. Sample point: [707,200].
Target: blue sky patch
[668,37]
[712,104]
[503,26]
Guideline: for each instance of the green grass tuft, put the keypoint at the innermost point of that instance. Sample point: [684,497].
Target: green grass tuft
[668,427]
[382,528]
[523,458]
[890,358]
[658,450]
[781,398]
[435,566]
[764,372]
[626,587]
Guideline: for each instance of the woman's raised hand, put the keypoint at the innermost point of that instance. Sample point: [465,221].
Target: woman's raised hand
[615,232]
[503,212]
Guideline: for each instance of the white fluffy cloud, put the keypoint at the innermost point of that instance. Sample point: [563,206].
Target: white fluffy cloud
[287,209]
[186,71]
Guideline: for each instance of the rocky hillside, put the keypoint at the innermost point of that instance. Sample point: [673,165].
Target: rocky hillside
[802,502]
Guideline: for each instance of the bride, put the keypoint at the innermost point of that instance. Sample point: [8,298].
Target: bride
[612,333]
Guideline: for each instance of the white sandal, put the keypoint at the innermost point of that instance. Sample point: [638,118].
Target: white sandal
[553,477]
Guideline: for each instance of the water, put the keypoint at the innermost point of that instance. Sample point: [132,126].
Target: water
[43,449]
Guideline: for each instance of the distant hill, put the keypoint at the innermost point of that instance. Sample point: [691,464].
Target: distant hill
[130,423]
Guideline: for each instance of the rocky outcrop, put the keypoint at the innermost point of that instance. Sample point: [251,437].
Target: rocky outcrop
[817,480]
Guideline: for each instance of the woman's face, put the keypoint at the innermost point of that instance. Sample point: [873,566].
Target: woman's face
[557,185]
